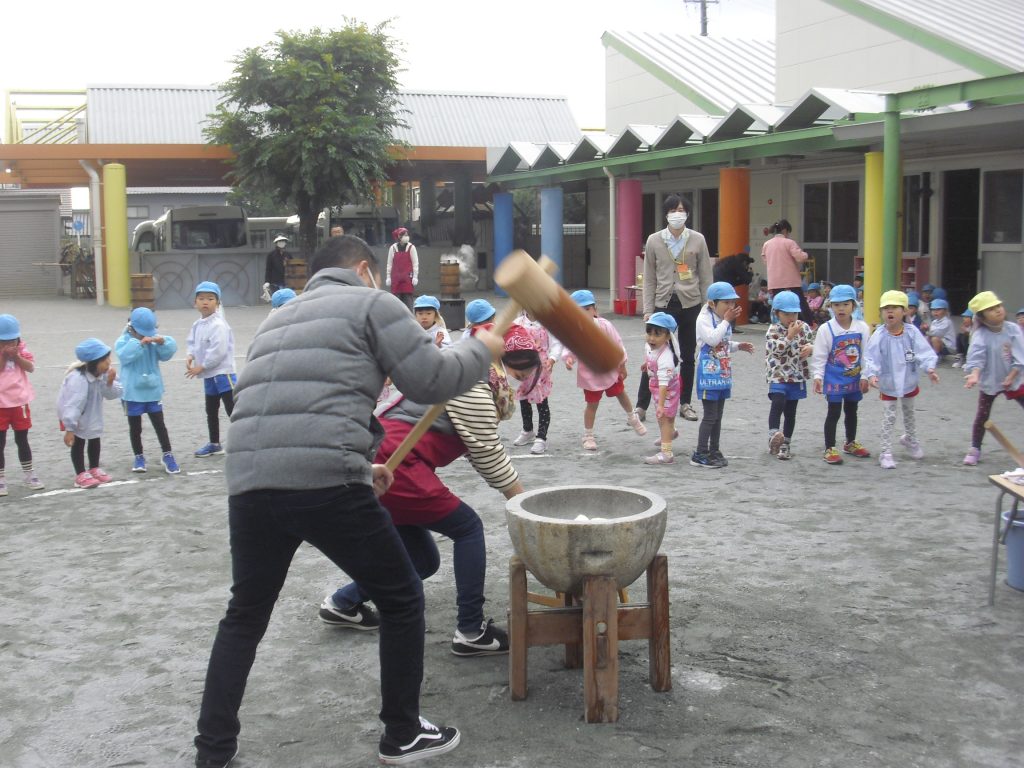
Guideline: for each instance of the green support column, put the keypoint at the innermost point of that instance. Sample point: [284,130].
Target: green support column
[115,235]
[874,228]
[892,186]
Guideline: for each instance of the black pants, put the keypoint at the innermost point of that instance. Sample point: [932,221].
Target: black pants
[543,417]
[20,440]
[135,432]
[710,431]
[213,412]
[686,320]
[782,407]
[79,450]
[847,407]
[351,528]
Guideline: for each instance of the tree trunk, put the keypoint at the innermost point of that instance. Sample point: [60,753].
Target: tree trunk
[308,212]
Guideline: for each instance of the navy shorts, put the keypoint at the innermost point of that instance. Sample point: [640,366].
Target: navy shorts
[133,408]
[219,384]
[793,390]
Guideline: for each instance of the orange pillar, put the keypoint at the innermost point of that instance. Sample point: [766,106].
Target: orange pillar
[734,221]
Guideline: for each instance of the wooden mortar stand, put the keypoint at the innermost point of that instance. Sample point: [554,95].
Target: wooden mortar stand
[591,630]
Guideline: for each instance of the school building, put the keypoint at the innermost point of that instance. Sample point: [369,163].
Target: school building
[888,136]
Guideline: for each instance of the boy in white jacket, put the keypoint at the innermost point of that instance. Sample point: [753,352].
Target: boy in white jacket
[211,357]
[895,353]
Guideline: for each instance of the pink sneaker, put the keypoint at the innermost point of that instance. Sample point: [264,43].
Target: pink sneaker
[972,457]
[100,475]
[589,443]
[635,423]
[660,458]
[86,480]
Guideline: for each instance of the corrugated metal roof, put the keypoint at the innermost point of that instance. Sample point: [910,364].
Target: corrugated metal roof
[151,114]
[726,71]
[483,120]
[122,114]
[993,29]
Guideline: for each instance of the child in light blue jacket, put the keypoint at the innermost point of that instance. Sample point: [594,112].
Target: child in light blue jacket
[86,385]
[211,357]
[141,350]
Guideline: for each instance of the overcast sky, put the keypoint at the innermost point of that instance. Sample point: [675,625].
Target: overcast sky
[541,47]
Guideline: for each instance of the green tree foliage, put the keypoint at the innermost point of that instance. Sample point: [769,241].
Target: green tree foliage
[310,118]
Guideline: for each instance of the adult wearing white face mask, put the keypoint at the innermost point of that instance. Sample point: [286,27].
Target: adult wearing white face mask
[677,273]
[403,272]
[273,275]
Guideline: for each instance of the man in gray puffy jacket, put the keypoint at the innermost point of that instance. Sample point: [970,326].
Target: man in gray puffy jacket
[298,468]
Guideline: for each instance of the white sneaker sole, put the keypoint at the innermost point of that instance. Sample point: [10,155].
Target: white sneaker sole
[422,754]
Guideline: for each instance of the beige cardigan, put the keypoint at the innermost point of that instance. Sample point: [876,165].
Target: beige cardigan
[660,272]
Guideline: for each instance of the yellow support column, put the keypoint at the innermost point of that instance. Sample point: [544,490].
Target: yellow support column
[115,237]
[874,234]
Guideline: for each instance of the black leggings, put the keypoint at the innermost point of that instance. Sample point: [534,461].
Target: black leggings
[78,451]
[710,426]
[543,417]
[849,408]
[213,412]
[20,440]
[984,410]
[781,406]
[135,432]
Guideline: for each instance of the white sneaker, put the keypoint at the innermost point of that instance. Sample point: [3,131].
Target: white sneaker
[634,422]
[959,362]
[589,443]
[687,412]
[886,461]
[914,447]
[525,438]
[539,446]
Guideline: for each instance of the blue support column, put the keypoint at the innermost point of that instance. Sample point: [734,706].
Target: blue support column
[551,227]
[504,226]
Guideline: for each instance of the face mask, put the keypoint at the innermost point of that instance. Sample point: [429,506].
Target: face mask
[373,283]
[676,219]
[280,245]
[405,239]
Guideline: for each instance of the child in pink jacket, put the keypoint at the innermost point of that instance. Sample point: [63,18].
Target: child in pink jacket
[16,362]
[594,385]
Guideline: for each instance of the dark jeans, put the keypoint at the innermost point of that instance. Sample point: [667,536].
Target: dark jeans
[350,527]
[686,319]
[710,431]
[464,528]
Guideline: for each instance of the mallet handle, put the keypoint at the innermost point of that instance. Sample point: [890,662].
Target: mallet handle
[1005,442]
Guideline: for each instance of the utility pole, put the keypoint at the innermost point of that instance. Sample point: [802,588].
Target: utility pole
[703,13]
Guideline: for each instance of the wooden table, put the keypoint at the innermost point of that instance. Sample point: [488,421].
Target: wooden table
[1005,487]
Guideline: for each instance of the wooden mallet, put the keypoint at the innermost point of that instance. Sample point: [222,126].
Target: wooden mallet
[502,321]
[1004,441]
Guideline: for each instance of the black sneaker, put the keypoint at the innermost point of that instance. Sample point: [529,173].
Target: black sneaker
[719,458]
[430,741]
[492,641]
[210,762]
[361,617]
[700,459]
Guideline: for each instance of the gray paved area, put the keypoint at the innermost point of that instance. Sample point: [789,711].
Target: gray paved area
[821,616]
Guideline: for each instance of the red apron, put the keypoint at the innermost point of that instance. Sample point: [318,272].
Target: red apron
[401,273]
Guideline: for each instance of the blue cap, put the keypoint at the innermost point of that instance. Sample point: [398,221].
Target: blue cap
[479,310]
[927,288]
[583,298]
[663,320]
[786,301]
[939,293]
[913,299]
[811,287]
[721,290]
[940,304]
[281,297]
[91,349]
[842,292]
[969,313]
[428,302]
[143,320]
[1020,311]
[9,328]
[208,286]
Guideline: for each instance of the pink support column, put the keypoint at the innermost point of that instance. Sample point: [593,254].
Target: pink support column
[629,228]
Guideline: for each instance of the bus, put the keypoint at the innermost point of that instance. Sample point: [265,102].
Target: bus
[193,228]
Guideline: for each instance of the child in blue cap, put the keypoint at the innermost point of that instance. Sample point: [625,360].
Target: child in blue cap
[714,371]
[478,312]
[941,333]
[281,297]
[16,362]
[963,336]
[86,385]
[140,349]
[788,345]
[428,314]
[661,362]
[594,384]
[211,357]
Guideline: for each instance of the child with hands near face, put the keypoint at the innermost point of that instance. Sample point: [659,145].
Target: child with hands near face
[661,361]
[427,310]
[714,370]
[593,384]
[895,353]
[16,362]
[995,363]
[211,357]
[788,344]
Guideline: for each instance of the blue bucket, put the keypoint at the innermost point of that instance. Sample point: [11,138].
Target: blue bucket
[1015,551]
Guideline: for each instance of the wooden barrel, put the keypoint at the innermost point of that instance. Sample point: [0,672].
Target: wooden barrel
[450,280]
[143,291]
[295,274]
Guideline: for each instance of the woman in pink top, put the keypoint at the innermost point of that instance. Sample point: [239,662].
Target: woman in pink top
[783,258]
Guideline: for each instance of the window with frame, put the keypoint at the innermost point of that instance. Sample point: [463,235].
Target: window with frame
[138,211]
[831,223]
[1003,208]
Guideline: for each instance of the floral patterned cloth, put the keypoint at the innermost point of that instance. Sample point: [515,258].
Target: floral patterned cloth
[550,349]
[782,356]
